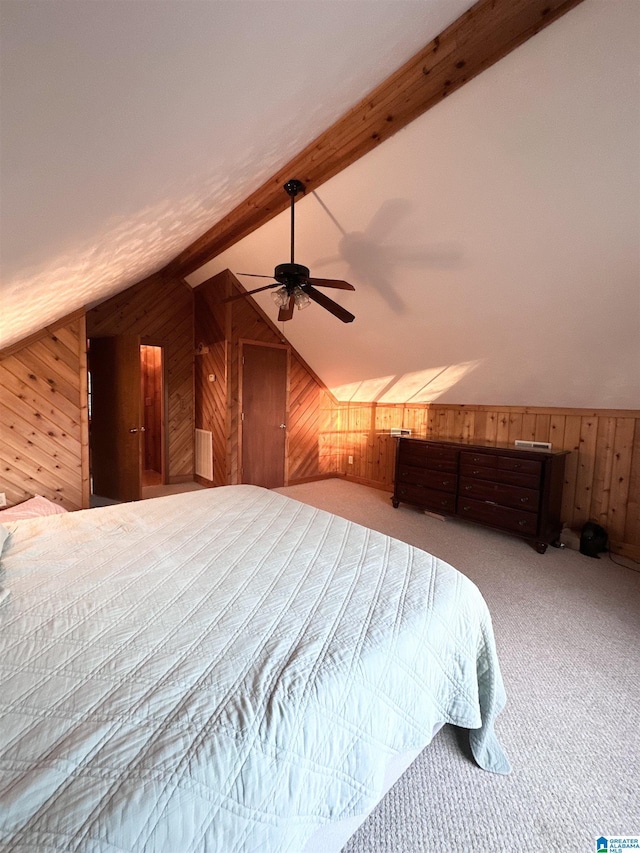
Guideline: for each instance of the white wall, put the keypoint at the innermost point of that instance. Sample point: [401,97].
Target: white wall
[494,243]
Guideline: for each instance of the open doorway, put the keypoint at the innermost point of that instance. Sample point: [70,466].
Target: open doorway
[127,417]
[152,395]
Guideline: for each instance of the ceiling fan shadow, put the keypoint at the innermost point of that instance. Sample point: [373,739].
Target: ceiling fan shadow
[375,261]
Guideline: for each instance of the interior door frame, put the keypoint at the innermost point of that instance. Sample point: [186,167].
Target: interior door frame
[148,341]
[287,347]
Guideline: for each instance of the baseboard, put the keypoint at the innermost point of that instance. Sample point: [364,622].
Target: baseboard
[300,480]
[180,478]
[374,484]
[623,549]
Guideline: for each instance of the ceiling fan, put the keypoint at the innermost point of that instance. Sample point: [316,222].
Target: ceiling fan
[295,286]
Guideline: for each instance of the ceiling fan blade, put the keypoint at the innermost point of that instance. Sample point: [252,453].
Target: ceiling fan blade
[337,310]
[286,312]
[254,275]
[249,292]
[330,282]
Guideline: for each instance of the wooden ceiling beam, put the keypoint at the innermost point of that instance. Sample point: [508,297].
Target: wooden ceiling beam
[486,33]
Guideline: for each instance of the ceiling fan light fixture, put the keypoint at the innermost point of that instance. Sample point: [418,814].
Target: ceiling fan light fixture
[280,297]
[301,299]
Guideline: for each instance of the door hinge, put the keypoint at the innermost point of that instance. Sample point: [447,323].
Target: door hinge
[241,416]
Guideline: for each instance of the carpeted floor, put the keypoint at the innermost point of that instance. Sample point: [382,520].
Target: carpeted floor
[567,630]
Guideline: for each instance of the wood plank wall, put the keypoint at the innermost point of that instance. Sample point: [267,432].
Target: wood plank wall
[160,310]
[220,328]
[211,396]
[43,416]
[602,476]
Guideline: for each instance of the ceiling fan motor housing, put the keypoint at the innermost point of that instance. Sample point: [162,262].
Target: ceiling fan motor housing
[291,274]
[293,187]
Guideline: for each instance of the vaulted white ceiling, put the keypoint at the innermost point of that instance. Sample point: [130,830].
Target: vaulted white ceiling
[494,243]
[129,128]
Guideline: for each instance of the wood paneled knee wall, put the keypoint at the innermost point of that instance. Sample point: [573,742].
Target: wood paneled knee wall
[602,479]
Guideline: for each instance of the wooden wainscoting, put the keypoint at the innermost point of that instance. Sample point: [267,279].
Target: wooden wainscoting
[602,475]
[43,416]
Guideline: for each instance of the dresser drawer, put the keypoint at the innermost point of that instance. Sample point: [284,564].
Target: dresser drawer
[520,466]
[420,454]
[442,458]
[514,478]
[427,498]
[505,518]
[412,452]
[500,493]
[478,460]
[426,477]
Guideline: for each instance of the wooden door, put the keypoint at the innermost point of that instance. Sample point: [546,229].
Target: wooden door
[264,414]
[115,426]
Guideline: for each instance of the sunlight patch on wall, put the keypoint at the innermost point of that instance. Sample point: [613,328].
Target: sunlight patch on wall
[365,391]
[419,386]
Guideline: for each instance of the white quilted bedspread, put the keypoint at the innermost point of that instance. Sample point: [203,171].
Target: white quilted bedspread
[223,671]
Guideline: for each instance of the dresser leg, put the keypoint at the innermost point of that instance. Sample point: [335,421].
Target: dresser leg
[541,547]
[396,503]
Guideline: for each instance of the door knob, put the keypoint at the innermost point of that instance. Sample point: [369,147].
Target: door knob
[135,429]
[283,426]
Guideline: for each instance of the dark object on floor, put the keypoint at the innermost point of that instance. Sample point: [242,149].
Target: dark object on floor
[593,539]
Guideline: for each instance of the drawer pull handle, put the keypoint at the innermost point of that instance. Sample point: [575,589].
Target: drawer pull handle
[468,488]
[516,466]
[522,523]
[476,472]
[524,500]
[466,508]
[445,482]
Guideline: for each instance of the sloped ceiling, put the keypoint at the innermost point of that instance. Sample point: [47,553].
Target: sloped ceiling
[129,128]
[494,243]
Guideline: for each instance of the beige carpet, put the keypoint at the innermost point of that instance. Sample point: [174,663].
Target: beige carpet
[567,630]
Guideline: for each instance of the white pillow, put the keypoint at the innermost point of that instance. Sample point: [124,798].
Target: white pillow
[32,508]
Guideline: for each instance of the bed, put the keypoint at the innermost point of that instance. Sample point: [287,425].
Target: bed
[225,670]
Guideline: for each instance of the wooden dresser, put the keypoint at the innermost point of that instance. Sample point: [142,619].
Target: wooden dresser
[518,490]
